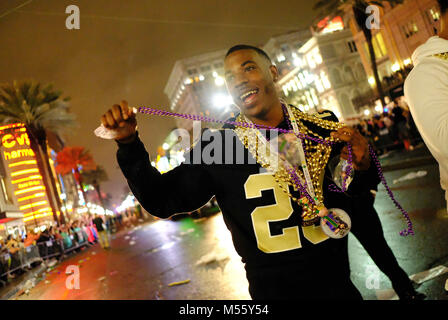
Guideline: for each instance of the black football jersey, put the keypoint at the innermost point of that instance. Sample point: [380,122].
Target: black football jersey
[264,222]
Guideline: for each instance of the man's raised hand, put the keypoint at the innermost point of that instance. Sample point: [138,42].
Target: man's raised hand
[121,119]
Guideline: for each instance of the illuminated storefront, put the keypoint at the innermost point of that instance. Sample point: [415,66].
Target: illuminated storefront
[23,185]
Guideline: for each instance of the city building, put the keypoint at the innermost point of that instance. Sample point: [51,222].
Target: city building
[23,200]
[196,86]
[283,49]
[403,28]
[327,72]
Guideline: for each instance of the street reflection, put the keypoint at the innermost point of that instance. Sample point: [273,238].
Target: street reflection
[234,275]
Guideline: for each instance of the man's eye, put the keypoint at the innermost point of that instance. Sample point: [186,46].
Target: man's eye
[250,68]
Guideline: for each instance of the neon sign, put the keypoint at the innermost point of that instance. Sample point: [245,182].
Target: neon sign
[326,26]
[26,180]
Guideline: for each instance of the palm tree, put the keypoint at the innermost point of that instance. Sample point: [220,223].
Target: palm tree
[94,178]
[40,109]
[333,8]
[77,160]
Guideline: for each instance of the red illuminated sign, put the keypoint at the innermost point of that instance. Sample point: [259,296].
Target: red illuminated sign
[326,26]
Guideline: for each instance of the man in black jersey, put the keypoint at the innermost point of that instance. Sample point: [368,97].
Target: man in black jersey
[283,259]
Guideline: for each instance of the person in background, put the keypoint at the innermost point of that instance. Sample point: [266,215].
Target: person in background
[426,92]
[30,239]
[57,234]
[89,233]
[401,127]
[44,236]
[66,237]
[83,231]
[12,245]
[120,219]
[102,232]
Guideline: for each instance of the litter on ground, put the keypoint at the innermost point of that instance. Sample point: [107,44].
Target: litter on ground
[411,176]
[178,283]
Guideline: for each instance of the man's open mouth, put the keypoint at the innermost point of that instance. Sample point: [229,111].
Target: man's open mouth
[249,96]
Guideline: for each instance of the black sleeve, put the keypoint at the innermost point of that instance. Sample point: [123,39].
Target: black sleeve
[365,180]
[183,189]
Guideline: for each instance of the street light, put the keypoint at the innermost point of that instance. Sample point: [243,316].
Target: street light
[219,81]
[221,100]
[395,67]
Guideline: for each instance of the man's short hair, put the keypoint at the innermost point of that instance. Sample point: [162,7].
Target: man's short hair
[443,4]
[249,47]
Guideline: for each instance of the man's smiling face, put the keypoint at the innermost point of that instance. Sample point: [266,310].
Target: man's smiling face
[250,81]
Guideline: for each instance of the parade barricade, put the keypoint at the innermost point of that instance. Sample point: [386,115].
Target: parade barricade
[42,251]
[23,258]
[50,249]
[77,242]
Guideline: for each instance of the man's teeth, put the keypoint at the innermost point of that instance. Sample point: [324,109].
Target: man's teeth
[242,97]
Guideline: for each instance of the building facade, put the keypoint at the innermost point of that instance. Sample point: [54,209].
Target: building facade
[196,86]
[283,49]
[23,199]
[327,73]
[403,28]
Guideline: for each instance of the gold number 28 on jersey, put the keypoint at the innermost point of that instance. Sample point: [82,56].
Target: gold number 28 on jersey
[281,210]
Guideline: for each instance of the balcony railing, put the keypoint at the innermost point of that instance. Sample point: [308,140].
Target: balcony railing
[388,83]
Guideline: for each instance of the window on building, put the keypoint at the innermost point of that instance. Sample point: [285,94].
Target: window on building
[347,107]
[192,71]
[360,72]
[409,29]
[352,46]
[335,76]
[281,57]
[328,51]
[381,47]
[433,14]
[284,47]
[298,45]
[348,72]
[205,68]
[378,46]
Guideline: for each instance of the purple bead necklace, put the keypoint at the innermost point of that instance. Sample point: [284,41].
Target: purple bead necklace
[331,187]
[302,189]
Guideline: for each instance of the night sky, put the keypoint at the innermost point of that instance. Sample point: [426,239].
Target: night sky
[126,50]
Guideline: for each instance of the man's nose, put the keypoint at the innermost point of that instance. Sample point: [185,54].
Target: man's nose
[240,82]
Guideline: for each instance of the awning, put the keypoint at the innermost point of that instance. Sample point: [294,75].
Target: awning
[9,216]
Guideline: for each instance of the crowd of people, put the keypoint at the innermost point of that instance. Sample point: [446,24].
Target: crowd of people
[391,130]
[87,230]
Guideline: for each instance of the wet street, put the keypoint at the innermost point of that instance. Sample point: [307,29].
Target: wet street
[145,261]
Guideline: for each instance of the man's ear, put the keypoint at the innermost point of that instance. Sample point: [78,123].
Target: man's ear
[274,72]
